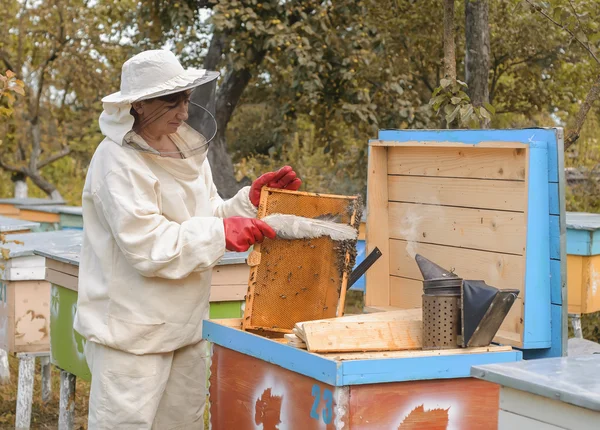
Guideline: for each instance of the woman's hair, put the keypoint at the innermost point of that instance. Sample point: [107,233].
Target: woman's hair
[173,99]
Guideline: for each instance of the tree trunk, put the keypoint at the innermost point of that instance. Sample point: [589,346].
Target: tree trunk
[477,52]
[232,87]
[21,191]
[20,181]
[591,97]
[449,49]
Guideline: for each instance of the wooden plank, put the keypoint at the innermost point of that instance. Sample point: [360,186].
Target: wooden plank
[460,227]
[9,211]
[24,273]
[293,340]
[231,274]
[447,144]
[511,330]
[59,266]
[547,410]
[499,270]
[29,215]
[229,322]
[406,293]
[575,287]
[227,293]
[391,315]
[470,193]
[62,279]
[377,277]
[374,309]
[363,336]
[591,285]
[412,354]
[482,163]
[26,261]
[449,404]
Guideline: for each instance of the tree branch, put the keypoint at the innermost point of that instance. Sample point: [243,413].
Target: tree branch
[10,168]
[591,97]
[549,18]
[57,156]
[7,62]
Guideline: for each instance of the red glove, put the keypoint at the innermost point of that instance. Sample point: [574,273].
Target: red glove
[284,178]
[242,233]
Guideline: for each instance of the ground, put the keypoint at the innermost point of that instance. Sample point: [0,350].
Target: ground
[43,415]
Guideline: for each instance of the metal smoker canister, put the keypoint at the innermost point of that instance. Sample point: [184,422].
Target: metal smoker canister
[441,313]
[441,305]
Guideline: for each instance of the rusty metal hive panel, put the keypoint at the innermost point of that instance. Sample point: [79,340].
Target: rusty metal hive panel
[298,280]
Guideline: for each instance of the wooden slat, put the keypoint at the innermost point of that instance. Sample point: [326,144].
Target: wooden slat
[9,211]
[227,293]
[499,270]
[230,274]
[447,144]
[59,266]
[575,285]
[293,340]
[62,279]
[461,227]
[392,315]
[363,336]
[229,322]
[378,287]
[29,215]
[406,293]
[470,193]
[411,354]
[482,163]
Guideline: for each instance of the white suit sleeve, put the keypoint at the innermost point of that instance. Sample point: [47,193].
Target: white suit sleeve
[238,205]
[153,245]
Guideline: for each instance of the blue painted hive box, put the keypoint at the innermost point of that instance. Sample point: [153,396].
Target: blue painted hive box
[488,204]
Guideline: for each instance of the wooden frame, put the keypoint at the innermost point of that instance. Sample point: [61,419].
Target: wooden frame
[319,260]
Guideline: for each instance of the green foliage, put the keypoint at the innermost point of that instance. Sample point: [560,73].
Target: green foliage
[584,195]
[68,54]
[451,99]
[320,171]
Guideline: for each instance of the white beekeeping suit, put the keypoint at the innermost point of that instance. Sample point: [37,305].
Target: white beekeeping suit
[153,230]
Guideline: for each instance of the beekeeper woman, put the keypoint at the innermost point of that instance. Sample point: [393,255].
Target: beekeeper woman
[154,228]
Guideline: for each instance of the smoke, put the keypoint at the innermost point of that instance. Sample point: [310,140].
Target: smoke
[413,225]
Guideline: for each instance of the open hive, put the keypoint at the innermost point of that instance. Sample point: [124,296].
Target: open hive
[480,204]
[299,280]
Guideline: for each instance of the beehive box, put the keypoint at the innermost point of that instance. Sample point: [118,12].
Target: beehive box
[24,292]
[299,280]
[583,261]
[488,204]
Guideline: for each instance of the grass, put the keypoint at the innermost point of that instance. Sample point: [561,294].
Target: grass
[43,415]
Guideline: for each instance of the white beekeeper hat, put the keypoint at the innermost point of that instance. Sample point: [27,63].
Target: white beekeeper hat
[156,73]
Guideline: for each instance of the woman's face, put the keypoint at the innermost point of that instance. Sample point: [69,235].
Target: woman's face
[163,115]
